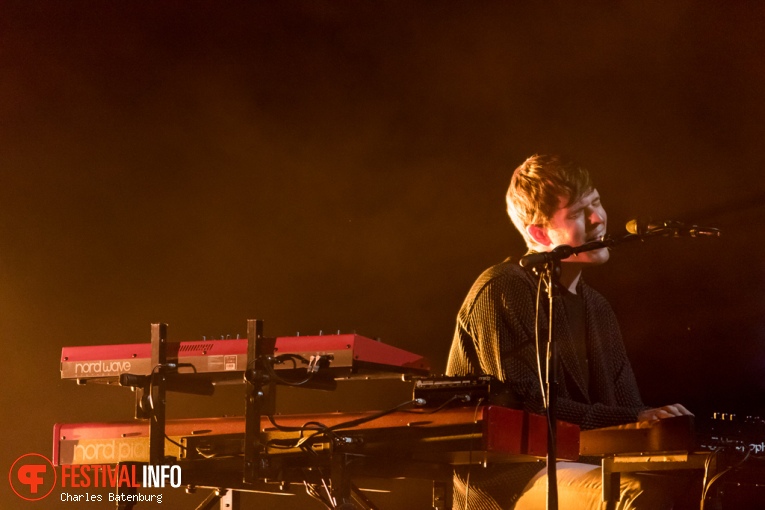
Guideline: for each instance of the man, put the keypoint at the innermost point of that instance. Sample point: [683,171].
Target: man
[551,202]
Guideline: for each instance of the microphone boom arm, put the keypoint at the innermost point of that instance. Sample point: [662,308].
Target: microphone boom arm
[564,251]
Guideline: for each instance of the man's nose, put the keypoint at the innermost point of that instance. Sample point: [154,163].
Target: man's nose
[597,215]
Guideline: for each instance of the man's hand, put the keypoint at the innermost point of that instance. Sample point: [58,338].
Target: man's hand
[660,413]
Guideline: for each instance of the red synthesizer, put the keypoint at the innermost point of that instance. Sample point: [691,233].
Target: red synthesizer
[347,355]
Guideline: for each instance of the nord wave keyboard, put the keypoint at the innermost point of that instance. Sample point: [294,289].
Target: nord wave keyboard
[344,355]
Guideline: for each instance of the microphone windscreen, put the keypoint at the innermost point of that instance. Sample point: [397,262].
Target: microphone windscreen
[632,226]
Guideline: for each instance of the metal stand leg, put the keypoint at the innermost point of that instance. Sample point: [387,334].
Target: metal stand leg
[341,483]
[260,395]
[158,394]
[611,483]
[443,494]
[129,503]
[227,500]
[135,468]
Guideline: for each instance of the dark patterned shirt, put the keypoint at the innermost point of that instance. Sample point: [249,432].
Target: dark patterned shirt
[495,336]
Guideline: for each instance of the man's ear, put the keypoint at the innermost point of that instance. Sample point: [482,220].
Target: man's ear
[539,234]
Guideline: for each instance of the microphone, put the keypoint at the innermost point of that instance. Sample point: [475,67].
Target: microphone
[669,227]
[535,259]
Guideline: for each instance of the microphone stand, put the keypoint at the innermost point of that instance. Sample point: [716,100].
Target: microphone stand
[552,270]
[549,263]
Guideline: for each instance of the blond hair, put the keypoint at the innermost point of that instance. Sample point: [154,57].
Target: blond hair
[537,186]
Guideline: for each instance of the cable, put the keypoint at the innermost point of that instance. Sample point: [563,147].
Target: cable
[329,431]
[269,367]
[542,388]
[175,366]
[464,398]
[707,467]
[375,416]
[312,492]
[176,443]
[549,365]
[705,488]
[285,428]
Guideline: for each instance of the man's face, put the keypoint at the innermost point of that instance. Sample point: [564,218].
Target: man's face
[578,223]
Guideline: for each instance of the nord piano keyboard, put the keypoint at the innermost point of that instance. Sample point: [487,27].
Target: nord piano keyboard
[346,356]
[420,444]
[452,436]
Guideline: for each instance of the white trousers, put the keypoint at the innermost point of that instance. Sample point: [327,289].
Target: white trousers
[580,488]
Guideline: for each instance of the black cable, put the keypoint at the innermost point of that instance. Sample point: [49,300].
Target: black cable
[542,388]
[176,443]
[269,366]
[329,431]
[462,397]
[315,494]
[366,419]
[705,489]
